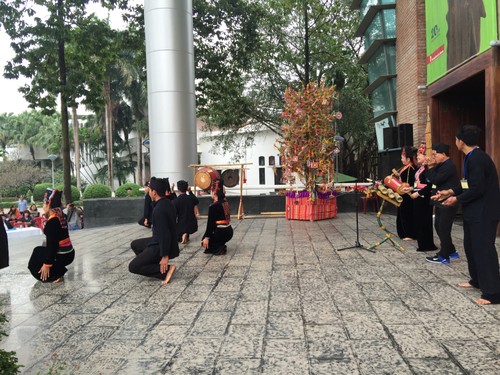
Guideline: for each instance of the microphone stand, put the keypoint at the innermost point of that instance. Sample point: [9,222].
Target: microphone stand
[357,244]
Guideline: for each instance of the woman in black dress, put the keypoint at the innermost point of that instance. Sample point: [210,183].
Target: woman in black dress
[422,209]
[219,230]
[404,220]
[48,263]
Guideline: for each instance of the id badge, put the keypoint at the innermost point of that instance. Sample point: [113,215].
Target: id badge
[464,184]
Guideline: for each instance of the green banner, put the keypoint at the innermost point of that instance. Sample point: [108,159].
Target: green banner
[457,30]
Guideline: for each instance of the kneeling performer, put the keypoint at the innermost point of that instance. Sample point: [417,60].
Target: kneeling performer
[153,261]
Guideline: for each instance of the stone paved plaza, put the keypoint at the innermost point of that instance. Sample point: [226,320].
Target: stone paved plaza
[282,301]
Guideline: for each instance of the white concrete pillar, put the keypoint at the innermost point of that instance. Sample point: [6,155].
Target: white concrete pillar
[171,95]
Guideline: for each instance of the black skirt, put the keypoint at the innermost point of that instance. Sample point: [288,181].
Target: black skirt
[58,268]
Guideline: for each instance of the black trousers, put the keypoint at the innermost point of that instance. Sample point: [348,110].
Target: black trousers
[443,222]
[219,238]
[423,219]
[58,268]
[139,245]
[482,258]
[147,263]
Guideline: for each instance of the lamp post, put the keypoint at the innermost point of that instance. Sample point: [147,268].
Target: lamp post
[145,173]
[338,144]
[52,157]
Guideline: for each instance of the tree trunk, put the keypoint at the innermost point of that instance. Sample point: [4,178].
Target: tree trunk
[76,146]
[64,106]
[108,119]
[307,54]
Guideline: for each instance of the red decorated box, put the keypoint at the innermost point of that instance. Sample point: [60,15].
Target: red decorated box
[303,208]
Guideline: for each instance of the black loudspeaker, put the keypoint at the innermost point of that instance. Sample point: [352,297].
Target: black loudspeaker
[387,161]
[391,137]
[405,135]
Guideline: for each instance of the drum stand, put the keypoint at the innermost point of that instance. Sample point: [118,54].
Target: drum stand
[357,244]
[388,235]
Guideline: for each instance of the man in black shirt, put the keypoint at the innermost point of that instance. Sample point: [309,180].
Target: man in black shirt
[443,174]
[481,213]
[153,261]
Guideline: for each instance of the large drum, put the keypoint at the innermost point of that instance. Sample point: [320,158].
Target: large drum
[230,178]
[206,177]
[395,184]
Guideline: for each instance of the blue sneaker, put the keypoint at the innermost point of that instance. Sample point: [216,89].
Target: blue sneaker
[438,259]
[454,255]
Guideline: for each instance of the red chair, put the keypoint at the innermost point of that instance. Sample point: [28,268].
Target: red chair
[363,200]
[39,221]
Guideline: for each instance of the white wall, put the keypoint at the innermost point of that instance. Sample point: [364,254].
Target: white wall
[264,145]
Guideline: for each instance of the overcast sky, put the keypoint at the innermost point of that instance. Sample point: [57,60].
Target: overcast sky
[11,100]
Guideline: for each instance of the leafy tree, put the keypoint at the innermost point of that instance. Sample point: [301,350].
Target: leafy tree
[22,175]
[248,53]
[32,128]
[48,50]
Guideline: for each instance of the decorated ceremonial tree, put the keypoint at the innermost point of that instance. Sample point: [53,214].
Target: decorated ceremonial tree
[308,146]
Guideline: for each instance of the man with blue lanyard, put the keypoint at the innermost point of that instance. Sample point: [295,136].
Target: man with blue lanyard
[480,201]
[443,175]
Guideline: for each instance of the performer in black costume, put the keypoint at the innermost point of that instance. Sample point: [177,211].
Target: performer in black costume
[443,173]
[48,263]
[404,220]
[481,212]
[153,260]
[148,208]
[219,230]
[422,209]
[185,206]
[4,246]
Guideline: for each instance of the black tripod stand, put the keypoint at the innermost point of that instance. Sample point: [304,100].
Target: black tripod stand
[357,244]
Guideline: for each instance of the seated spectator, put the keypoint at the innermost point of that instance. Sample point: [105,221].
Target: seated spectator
[14,212]
[34,211]
[27,219]
[74,216]
[12,219]
[7,223]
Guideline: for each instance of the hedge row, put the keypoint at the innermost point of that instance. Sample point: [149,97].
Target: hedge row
[92,191]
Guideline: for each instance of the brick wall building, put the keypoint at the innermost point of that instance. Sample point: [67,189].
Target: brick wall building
[411,59]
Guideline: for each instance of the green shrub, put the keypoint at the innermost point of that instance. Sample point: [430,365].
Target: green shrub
[15,191]
[75,193]
[97,191]
[129,190]
[39,191]
[8,360]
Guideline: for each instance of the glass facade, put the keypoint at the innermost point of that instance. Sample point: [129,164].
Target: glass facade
[378,26]
[384,98]
[383,26]
[383,62]
[367,4]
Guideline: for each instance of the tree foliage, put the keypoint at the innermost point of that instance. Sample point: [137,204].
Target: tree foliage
[248,52]
[22,175]
[65,53]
